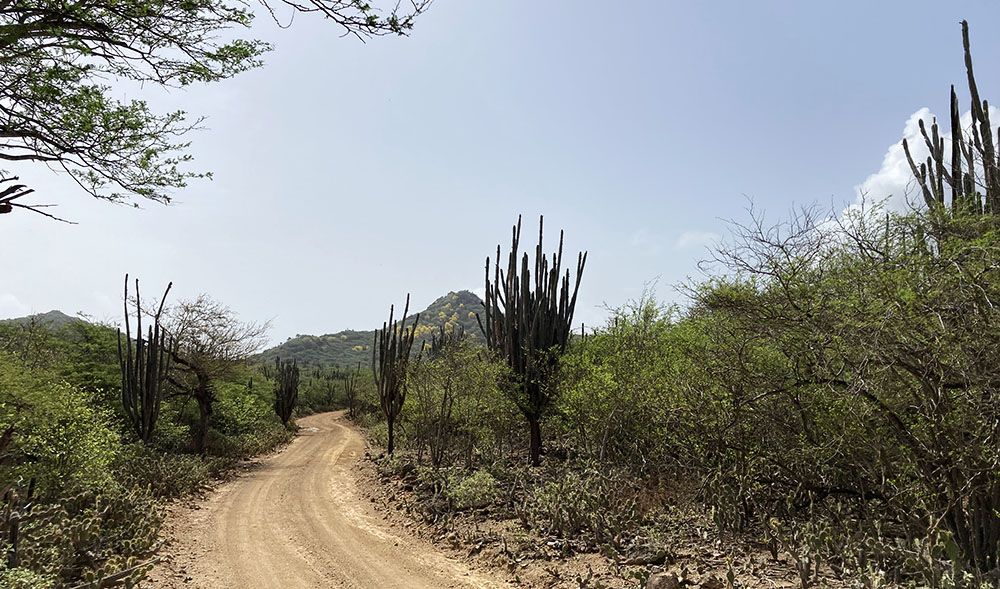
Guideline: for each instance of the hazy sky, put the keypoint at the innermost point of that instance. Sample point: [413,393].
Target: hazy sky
[349,174]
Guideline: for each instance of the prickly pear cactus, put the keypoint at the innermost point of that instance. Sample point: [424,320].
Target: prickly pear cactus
[87,541]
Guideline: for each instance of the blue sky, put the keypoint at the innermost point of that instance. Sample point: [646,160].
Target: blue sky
[348,174]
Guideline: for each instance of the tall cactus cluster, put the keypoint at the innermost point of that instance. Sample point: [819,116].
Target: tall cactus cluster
[351,389]
[527,321]
[970,169]
[390,361]
[444,338]
[144,364]
[286,388]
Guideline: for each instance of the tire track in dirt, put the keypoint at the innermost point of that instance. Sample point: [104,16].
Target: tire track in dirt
[299,522]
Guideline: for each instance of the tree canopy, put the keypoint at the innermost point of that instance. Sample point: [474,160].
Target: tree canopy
[57,59]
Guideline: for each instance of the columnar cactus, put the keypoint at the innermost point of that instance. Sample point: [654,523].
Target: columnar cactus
[351,389]
[972,176]
[444,338]
[144,367]
[286,388]
[528,324]
[390,360]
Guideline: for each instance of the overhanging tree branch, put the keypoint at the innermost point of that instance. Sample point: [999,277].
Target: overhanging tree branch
[56,58]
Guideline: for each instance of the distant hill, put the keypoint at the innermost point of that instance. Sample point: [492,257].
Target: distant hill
[347,348]
[52,319]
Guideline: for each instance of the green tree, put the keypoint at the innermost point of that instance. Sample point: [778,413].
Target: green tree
[56,107]
[453,389]
[615,386]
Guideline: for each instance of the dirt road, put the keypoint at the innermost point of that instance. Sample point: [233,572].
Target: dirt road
[299,522]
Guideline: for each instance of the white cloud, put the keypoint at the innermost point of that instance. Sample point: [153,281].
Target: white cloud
[696,239]
[894,184]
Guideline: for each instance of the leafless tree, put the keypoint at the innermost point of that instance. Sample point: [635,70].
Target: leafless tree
[210,342]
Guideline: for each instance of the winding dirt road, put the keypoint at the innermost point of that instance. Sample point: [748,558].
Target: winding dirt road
[299,522]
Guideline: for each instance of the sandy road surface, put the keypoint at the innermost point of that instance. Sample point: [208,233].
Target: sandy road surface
[298,522]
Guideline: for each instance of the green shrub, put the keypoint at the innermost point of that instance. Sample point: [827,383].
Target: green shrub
[476,490]
[22,578]
[454,406]
[841,375]
[597,506]
[61,440]
[617,402]
[238,412]
[164,474]
[377,429]
[246,445]
[172,435]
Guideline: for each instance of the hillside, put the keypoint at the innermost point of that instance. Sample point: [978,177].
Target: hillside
[53,319]
[347,348]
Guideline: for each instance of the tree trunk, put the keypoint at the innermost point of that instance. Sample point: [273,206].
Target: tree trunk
[391,444]
[975,526]
[12,538]
[535,449]
[204,412]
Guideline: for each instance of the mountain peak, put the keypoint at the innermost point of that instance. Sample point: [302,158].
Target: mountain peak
[347,348]
[53,319]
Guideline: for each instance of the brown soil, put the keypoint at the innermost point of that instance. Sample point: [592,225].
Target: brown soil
[297,520]
[686,544]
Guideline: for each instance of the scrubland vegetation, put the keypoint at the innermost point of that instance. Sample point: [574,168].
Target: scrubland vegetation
[91,439]
[82,490]
[826,395]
